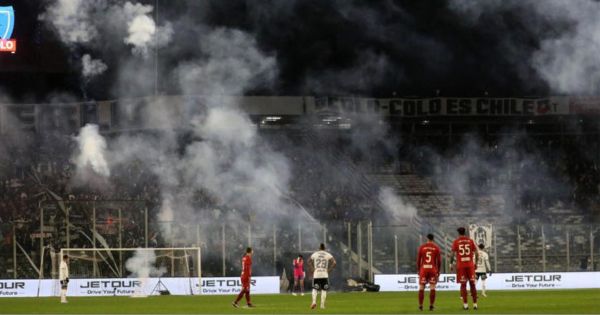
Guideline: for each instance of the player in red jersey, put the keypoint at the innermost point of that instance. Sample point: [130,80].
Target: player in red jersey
[245,277]
[466,256]
[298,274]
[429,263]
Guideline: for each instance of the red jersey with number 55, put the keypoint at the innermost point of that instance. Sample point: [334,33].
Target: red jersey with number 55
[428,257]
[465,250]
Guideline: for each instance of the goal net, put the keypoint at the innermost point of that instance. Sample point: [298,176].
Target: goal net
[147,265]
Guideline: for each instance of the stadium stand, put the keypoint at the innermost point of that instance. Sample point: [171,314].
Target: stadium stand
[533,230]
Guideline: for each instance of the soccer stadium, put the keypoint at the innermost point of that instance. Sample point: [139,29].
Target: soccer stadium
[299,156]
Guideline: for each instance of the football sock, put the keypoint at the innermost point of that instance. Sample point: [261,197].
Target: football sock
[483,286]
[314,296]
[323,297]
[431,296]
[239,297]
[463,292]
[421,297]
[248,297]
[473,291]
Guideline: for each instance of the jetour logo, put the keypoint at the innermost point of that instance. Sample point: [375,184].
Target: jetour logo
[7,24]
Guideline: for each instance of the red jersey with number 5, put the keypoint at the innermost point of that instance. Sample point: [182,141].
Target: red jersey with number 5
[465,250]
[428,257]
[246,267]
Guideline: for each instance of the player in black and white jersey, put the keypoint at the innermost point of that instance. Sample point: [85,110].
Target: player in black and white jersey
[321,263]
[483,267]
[63,277]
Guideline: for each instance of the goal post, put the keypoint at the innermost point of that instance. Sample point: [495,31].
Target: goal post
[140,263]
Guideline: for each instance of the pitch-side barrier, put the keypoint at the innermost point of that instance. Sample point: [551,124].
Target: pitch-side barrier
[136,286]
[498,281]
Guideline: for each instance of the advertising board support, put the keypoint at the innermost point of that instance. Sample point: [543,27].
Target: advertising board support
[67,229]
[95,264]
[223,248]
[543,250]
[249,234]
[592,247]
[146,227]
[519,260]
[120,243]
[274,249]
[370,249]
[447,263]
[396,253]
[568,250]
[14,243]
[359,247]
[41,276]
[349,225]
[495,253]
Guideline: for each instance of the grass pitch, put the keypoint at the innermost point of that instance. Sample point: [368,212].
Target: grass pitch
[497,302]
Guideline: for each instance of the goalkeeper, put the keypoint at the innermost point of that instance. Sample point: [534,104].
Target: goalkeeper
[63,276]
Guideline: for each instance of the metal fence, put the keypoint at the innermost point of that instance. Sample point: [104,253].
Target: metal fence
[29,247]
[515,248]
[361,248]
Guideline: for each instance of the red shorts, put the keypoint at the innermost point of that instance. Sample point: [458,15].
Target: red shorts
[299,276]
[428,276]
[245,283]
[465,274]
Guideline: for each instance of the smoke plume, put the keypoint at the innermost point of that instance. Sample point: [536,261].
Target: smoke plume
[567,56]
[395,206]
[142,265]
[92,67]
[72,19]
[92,152]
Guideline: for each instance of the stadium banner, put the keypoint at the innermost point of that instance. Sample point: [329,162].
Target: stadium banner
[444,106]
[481,234]
[19,288]
[129,286]
[135,286]
[498,281]
[233,285]
[584,105]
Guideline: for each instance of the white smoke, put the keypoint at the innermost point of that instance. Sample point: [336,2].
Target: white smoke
[92,151]
[570,63]
[233,64]
[395,206]
[142,32]
[72,19]
[142,265]
[165,217]
[568,57]
[92,67]
[231,163]
[82,22]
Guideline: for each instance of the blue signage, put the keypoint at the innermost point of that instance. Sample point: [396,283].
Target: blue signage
[7,22]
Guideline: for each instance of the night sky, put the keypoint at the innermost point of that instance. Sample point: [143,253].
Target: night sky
[378,48]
